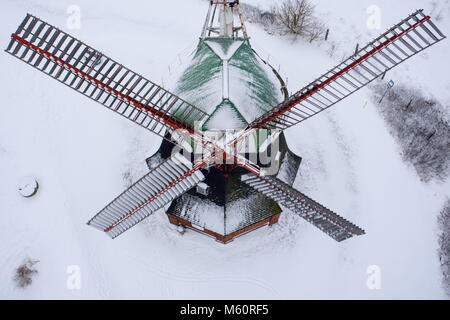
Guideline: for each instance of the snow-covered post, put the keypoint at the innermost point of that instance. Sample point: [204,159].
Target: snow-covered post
[390,85]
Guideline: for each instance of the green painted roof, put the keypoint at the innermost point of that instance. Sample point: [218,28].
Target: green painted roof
[253,89]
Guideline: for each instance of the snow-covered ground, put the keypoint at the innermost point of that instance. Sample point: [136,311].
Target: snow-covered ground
[82,156]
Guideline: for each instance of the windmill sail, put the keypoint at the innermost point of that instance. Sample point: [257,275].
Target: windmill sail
[406,39]
[88,71]
[326,220]
[152,192]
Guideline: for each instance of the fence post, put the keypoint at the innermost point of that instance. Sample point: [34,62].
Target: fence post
[356,49]
[409,104]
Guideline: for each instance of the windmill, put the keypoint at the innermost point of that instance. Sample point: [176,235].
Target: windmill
[199,155]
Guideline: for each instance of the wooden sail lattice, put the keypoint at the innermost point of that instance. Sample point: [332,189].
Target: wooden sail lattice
[409,37]
[91,73]
[152,192]
[323,218]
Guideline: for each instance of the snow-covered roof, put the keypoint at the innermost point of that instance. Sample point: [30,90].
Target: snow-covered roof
[244,207]
[227,80]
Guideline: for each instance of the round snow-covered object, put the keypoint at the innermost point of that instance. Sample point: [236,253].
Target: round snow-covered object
[28,187]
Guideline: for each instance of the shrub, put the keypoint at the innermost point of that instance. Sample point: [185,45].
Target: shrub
[25,272]
[290,17]
[444,245]
[420,126]
[297,17]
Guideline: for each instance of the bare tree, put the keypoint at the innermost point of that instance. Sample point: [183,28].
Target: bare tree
[296,16]
[291,17]
[25,272]
[316,31]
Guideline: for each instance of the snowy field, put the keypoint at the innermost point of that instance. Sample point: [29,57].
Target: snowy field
[82,156]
